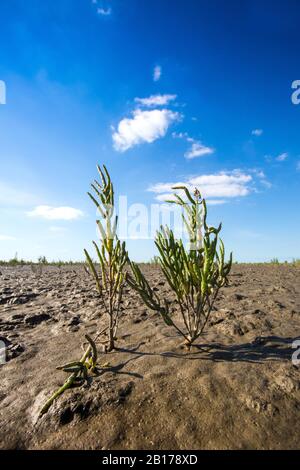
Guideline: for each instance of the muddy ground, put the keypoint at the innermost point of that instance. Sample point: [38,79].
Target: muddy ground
[238,390]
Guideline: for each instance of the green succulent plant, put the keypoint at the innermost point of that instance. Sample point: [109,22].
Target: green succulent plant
[195,274]
[79,372]
[111,254]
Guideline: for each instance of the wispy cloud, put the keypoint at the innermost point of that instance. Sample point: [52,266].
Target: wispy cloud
[218,187]
[157,73]
[144,126]
[197,148]
[282,157]
[55,213]
[104,11]
[156,100]
[261,177]
[6,238]
[257,132]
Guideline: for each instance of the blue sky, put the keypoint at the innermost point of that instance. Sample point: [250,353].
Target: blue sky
[161,92]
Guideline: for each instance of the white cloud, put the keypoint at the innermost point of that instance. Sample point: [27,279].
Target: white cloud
[220,185]
[144,126]
[55,213]
[282,157]
[157,72]
[197,148]
[298,166]
[104,11]
[156,100]
[180,135]
[259,173]
[170,197]
[257,132]
[6,238]
[216,202]
[266,183]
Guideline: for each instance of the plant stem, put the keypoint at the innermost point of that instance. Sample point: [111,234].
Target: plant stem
[68,383]
[70,380]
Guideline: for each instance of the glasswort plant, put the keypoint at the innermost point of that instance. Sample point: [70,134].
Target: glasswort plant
[78,369]
[195,274]
[112,255]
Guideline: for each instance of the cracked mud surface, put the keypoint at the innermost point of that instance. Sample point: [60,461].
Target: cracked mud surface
[237,390]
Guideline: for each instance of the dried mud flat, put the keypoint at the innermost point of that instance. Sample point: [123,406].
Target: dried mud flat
[237,390]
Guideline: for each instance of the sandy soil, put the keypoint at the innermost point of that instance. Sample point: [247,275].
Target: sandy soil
[237,390]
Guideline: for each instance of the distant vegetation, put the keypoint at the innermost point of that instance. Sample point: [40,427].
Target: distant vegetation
[295,261]
[16,261]
[275,261]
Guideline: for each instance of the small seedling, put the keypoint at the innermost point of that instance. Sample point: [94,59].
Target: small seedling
[79,371]
[195,274]
[111,255]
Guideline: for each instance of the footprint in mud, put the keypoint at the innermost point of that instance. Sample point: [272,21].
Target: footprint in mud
[17,299]
[124,392]
[239,297]
[34,320]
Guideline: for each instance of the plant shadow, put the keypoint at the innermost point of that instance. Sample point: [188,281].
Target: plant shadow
[117,369]
[262,349]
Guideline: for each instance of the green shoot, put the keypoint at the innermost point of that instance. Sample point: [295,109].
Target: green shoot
[79,371]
